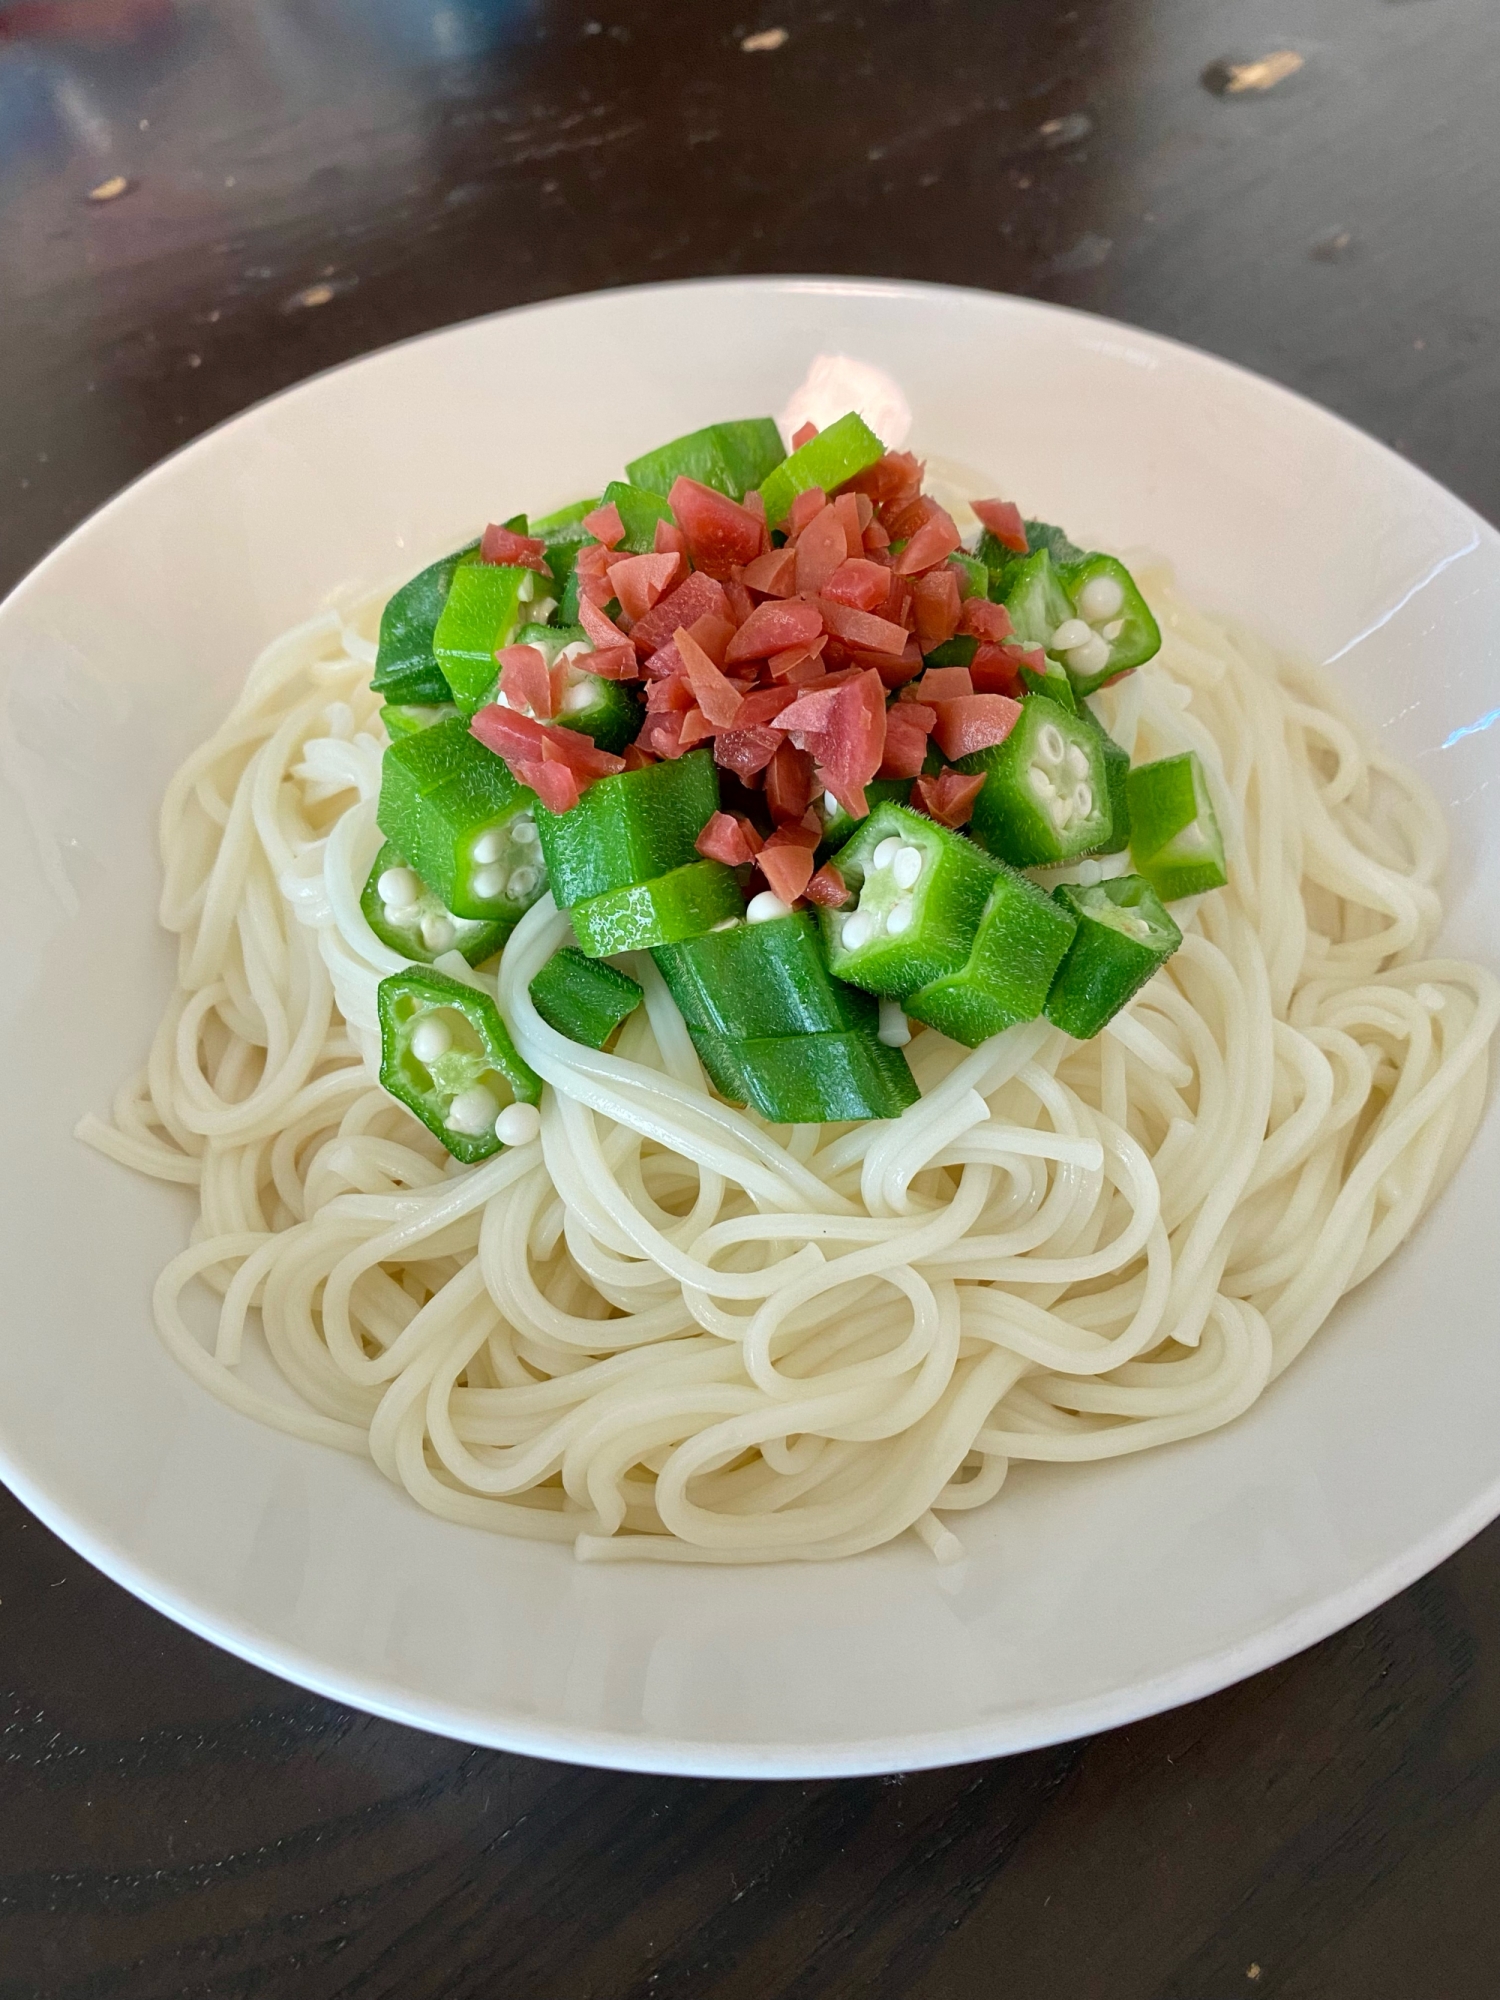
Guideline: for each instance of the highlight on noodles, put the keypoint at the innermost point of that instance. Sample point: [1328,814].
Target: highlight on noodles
[710,1023]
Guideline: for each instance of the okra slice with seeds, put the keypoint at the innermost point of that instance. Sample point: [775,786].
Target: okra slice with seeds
[447,1056]
[1123,937]
[1046,788]
[1112,629]
[414,920]
[1022,938]
[463,823]
[486,605]
[607,711]
[1175,840]
[839,824]
[920,891]
[755,980]
[682,903]
[583,998]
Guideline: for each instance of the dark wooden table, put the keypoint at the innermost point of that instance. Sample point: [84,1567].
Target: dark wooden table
[201,202]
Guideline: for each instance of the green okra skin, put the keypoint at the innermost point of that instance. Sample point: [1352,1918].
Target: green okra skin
[1036,600]
[920,890]
[730,457]
[977,576]
[1175,840]
[629,828]
[448,1057]
[487,604]
[406,668]
[566,525]
[463,823]
[839,825]
[1123,937]
[682,903]
[583,998]
[958,651]
[410,918]
[829,460]
[405,719]
[1022,938]
[1054,684]
[1046,788]
[756,980]
[639,513]
[1123,634]
[610,712]
[1117,784]
[809,1079]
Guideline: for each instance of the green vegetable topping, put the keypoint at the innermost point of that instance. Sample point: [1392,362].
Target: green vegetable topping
[1175,840]
[447,1056]
[829,460]
[760,979]
[405,719]
[609,711]
[1046,788]
[454,810]
[583,998]
[639,513]
[809,1079]
[1022,938]
[486,604]
[921,890]
[729,457]
[1116,784]
[629,828]
[839,825]
[1123,936]
[406,668]
[664,910]
[406,915]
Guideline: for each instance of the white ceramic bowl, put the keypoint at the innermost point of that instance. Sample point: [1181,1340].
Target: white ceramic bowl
[1091,1596]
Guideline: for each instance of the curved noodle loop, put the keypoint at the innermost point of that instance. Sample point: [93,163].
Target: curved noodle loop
[665,1329]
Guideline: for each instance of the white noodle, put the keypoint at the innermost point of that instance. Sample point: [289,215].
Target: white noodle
[665,1329]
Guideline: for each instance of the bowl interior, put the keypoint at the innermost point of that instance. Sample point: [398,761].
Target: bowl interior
[1089,1596]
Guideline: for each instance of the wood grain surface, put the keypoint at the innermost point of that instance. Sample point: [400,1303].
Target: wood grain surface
[201,202]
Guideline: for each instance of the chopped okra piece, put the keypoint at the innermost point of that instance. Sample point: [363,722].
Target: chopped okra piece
[1022,938]
[1117,784]
[1053,683]
[608,711]
[486,604]
[1123,936]
[1112,629]
[564,535]
[566,524]
[406,718]
[412,919]
[583,998]
[809,1079]
[829,460]
[630,827]
[1036,600]
[1175,840]
[680,904]
[958,651]
[406,668]
[639,513]
[1046,788]
[759,979]
[730,457]
[447,1056]
[921,890]
[839,824]
[975,573]
[456,813]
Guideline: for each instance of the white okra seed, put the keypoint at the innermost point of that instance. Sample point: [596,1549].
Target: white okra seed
[1072,632]
[1101,597]
[473,1111]
[1050,743]
[488,883]
[489,846]
[431,1038]
[907,867]
[400,886]
[438,931]
[886,852]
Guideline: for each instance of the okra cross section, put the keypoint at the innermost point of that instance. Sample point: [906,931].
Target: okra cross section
[1022,938]
[1175,840]
[920,891]
[1046,788]
[583,998]
[1123,936]
[462,821]
[629,828]
[447,1056]
[759,979]
[414,920]
[605,710]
